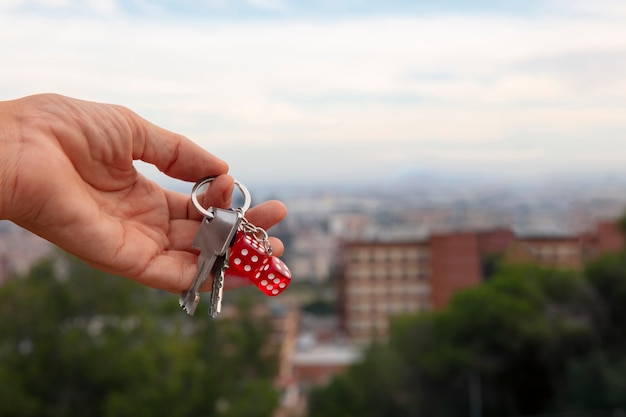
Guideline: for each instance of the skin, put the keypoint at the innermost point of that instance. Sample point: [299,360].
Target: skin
[67,175]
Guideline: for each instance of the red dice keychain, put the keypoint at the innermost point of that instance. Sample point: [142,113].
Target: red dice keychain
[248,253]
[251,257]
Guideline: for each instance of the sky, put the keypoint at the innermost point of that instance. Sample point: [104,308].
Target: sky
[343,91]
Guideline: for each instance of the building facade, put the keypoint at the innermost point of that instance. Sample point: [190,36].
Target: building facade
[378,280]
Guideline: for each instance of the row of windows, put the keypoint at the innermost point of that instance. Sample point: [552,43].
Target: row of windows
[367,309]
[387,273]
[549,251]
[404,290]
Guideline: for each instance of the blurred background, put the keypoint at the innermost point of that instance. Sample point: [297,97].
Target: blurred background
[455,174]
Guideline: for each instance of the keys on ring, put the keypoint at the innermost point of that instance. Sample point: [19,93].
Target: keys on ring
[230,245]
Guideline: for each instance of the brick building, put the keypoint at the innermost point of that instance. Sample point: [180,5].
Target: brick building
[377,280]
[381,279]
[455,264]
[559,252]
[608,238]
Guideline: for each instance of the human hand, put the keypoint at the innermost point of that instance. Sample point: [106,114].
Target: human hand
[67,175]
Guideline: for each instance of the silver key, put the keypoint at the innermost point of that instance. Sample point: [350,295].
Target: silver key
[217,290]
[213,240]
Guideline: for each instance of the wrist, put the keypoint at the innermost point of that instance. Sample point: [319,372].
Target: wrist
[9,143]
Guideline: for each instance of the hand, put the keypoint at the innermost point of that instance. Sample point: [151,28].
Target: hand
[67,174]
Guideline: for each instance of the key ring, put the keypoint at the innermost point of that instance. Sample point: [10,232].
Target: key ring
[209,214]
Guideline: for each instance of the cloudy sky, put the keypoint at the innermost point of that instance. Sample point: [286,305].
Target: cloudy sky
[344,89]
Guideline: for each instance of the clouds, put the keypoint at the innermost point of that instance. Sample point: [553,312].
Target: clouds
[446,88]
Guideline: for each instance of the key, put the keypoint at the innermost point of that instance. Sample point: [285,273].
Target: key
[212,240]
[217,290]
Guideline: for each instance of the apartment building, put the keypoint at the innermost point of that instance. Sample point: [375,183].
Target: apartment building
[559,252]
[381,279]
[377,280]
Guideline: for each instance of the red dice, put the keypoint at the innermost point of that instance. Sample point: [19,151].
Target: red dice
[249,259]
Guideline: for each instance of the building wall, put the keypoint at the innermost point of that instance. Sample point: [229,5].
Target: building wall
[609,237]
[555,252]
[455,265]
[494,242]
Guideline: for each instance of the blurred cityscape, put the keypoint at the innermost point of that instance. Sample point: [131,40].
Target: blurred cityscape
[360,255]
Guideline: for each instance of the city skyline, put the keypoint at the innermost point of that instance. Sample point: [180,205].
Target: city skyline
[344,91]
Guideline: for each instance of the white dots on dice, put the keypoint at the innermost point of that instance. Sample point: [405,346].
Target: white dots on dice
[252,259]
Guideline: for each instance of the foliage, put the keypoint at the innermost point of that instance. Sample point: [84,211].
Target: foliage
[320,307]
[75,341]
[531,340]
[621,223]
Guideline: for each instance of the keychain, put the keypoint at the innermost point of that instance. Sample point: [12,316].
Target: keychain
[231,246]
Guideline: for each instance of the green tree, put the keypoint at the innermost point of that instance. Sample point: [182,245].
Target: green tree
[517,334]
[621,223]
[75,341]
[598,379]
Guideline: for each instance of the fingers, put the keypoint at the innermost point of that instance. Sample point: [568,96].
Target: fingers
[217,194]
[277,246]
[267,214]
[171,271]
[185,222]
[182,233]
[171,153]
[180,259]
[174,272]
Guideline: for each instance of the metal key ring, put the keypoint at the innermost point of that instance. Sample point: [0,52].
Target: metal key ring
[209,214]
